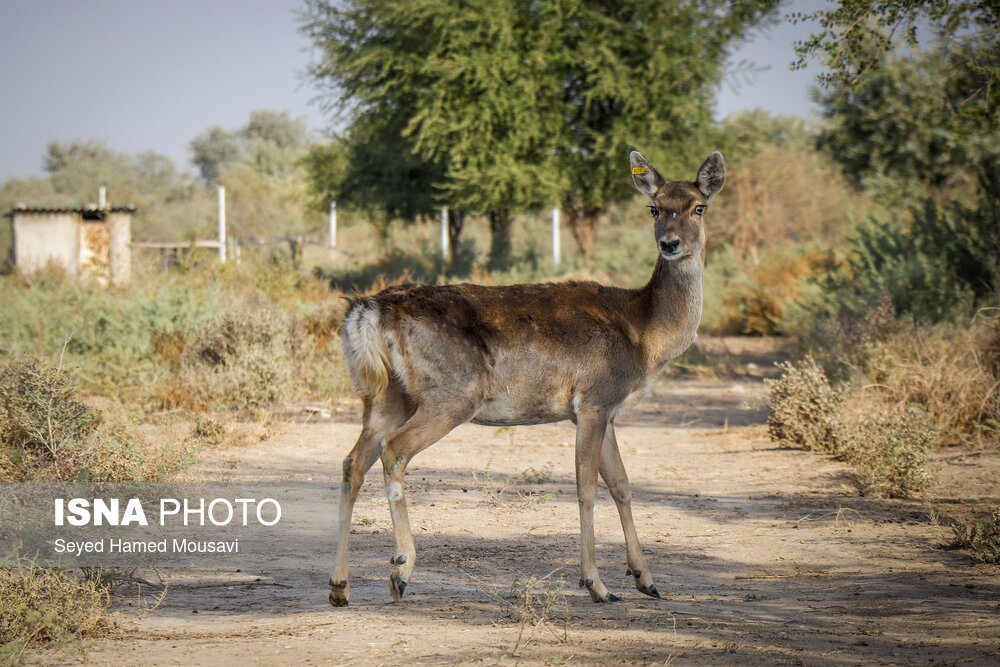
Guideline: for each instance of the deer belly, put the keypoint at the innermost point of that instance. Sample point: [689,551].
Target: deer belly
[509,409]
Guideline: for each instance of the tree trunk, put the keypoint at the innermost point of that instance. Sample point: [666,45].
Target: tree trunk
[456,221]
[500,239]
[583,224]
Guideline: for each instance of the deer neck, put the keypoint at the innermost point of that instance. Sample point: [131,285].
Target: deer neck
[670,309]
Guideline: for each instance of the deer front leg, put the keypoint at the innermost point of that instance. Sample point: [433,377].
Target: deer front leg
[405,555]
[613,473]
[590,429]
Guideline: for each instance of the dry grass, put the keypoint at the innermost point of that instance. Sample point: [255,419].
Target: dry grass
[886,446]
[888,449]
[783,194]
[253,358]
[47,606]
[954,374]
[981,538]
[47,433]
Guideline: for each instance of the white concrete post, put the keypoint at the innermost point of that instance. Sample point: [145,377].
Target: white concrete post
[444,231]
[222,224]
[101,197]
[333,224]
[555,235]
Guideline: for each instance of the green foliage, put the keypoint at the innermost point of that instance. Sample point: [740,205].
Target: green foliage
[260,164]
[524,104]
[856,35]
[939,267]
[128,343]
[109,332]
[374,170]
[901,131]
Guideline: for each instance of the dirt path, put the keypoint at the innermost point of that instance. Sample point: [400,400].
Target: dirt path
[764,555]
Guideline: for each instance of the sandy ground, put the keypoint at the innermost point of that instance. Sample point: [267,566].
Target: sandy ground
[764,555]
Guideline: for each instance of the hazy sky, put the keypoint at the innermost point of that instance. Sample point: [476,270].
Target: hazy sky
[153,75]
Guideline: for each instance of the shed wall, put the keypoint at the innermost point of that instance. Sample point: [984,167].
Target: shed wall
[40,238]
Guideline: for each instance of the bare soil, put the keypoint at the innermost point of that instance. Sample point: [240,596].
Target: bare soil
[764,555]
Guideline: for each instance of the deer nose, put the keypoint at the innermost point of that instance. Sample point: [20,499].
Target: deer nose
[669,247]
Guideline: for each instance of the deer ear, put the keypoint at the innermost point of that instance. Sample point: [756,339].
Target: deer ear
[711,176]
[646,180]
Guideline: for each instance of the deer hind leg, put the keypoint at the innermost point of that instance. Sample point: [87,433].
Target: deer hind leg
[613,473]
[426,427]
[590,430]
[383,414]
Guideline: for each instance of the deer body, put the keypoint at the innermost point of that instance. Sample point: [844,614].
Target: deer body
[429,358]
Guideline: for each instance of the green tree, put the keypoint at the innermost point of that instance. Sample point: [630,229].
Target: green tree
[855,36]
[260,166]
[169,203]
[374,170]
[905,127]
[528,103]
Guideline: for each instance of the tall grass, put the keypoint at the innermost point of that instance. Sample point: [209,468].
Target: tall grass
[136,342]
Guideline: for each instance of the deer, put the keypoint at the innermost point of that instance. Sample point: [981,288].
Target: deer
[428,358]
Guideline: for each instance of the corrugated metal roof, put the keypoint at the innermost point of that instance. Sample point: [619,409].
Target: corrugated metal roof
[80,211]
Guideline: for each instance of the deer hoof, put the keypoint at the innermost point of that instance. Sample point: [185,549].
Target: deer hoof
[396,586]
[340,593]
[650,591]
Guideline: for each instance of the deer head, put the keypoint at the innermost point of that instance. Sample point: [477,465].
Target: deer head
[678,207]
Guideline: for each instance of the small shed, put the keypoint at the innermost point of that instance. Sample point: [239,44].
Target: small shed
[85,242]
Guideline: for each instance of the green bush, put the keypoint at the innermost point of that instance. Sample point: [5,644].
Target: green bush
[939,267]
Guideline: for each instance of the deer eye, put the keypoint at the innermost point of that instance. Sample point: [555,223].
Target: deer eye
[699,210]
[653,211]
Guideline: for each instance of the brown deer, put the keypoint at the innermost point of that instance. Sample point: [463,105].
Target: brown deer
[429,358]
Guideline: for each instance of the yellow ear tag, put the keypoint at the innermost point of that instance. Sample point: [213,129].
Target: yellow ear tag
[638,170]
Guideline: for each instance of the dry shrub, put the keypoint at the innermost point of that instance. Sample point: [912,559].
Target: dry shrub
[981,538]
[949,370]
[224,431]
[942,372]
[804,407]
[47,433]
[784,193]
[169,346]
[756,291]
[952,371]
[42,424]
[256,357]
[324,323]
[40,605]
[242,360]
[888,449]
